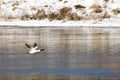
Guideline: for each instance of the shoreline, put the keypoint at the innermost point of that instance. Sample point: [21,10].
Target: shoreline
[47,23]
[58,27]
[48,77]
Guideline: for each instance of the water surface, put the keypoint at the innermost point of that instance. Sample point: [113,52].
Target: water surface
[85,52]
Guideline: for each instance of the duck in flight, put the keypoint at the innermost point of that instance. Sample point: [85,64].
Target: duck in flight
[33,49]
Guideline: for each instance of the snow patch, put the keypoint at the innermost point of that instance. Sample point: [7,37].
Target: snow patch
[11,12]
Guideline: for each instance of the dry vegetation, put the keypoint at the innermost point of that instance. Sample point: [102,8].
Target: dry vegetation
[79,7]
[108,0]
[52,16]
[59,0]
[116,11]
[15,4]
[38,16]
[65,10]
[95,6]
[65,1]
[65,13]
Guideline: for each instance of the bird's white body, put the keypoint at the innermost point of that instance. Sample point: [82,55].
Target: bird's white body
[34,50]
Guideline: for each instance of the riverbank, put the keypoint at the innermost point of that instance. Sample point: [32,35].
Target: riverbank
[114,23]
[47,77]
[60,12]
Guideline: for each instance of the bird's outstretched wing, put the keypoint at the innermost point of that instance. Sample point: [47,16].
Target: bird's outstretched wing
[29,46]
[34,45]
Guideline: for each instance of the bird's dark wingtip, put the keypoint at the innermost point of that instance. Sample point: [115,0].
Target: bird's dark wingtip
[27,45]
[34,45]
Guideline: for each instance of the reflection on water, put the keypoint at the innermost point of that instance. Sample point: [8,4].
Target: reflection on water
[91,52]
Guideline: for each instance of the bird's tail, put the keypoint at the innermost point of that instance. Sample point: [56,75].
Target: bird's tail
[42,49]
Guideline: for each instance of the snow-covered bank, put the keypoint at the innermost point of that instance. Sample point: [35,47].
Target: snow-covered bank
[60,12]
[107,23]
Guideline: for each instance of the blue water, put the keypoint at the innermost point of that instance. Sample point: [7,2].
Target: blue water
[88,72]
[76,64]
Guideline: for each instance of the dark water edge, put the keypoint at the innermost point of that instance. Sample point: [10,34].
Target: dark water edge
[13,76]
[88,72]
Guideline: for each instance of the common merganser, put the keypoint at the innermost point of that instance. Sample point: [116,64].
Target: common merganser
[33,49]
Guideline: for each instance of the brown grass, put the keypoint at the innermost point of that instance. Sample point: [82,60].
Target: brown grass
[105,0]
[98,16]
[8,18]
[72,17]
[60,16]
[65,10]
[33,8]
[59,0]
[65,1]
[63,16]
[79,7]
[105,15]
[66,13]
[116,11]
[14,8]
[76,17]
[39,15]
[25,17]
[97,10]
[45,5]
[68,17]
[95,6]
[15,4]
[51,16]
